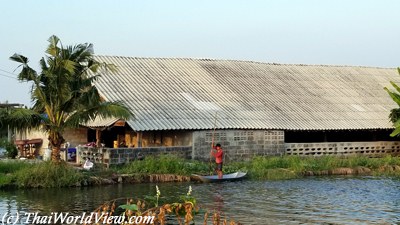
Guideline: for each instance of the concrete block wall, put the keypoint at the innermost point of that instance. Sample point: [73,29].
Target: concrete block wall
[114,156]
[76,137]
[343,148]
[239,145]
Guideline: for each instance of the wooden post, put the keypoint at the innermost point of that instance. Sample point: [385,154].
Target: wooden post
[98,137]
[139,139]
[212,140]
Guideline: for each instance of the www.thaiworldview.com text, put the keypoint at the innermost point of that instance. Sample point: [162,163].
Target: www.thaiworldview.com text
[68,218]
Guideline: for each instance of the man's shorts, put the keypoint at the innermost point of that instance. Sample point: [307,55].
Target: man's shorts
[218,167]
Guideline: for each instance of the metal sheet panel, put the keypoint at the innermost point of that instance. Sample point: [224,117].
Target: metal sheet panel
[172,94]
[101,122]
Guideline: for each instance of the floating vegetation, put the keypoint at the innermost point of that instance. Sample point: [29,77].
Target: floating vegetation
[184,211]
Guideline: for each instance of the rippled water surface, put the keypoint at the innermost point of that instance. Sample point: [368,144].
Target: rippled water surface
[326,200]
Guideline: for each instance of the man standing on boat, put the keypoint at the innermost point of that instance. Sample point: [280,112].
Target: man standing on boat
[218,154]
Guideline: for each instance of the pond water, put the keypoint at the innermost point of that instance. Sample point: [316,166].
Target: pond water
[316,200]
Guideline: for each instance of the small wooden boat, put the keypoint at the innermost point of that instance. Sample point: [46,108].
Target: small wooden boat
[214,178]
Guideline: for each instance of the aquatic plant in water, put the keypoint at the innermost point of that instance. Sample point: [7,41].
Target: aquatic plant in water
[140,212]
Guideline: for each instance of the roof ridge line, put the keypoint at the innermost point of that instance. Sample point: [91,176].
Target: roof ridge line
[248,61]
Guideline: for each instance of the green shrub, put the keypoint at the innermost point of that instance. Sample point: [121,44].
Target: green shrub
[6,180]
[10,148]
[48,174]
[274,167]
[11,166]
[287,167]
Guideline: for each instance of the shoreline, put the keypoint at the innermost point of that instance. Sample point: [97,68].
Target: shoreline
[165,178]
[134,179]
[39,174]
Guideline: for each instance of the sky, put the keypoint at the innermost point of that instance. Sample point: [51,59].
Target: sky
[340,32]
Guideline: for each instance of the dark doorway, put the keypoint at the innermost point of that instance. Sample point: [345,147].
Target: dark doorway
[109,135]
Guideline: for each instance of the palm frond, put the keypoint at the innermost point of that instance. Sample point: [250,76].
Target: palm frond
[19,58]
[114,109]
[396,132]
[110,67]
[53,49]
[27,73]
[395,86]
[21,119]
[394,115]
[43,64]
[393,95]
[104,110]
[82,52]
[69,65]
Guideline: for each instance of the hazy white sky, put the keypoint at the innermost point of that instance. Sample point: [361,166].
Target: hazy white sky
[340,32]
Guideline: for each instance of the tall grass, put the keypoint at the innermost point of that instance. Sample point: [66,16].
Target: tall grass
[8,168]
[287,167]
[11,166]
[163,164]
[272,168]
[48,174]
[43,174]
[6,180]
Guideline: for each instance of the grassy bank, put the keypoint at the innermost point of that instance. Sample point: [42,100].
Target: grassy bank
[273,168]
[46,174]
[164,164]
[288,167]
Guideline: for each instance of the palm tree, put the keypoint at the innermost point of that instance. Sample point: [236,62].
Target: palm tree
[394,115]
[63,92]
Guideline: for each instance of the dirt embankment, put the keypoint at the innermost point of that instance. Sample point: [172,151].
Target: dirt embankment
[159,178]
[135,178]
[353,171]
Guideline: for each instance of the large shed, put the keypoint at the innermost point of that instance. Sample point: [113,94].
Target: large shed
[259,107]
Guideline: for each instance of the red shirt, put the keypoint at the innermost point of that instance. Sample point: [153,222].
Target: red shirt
[218,155]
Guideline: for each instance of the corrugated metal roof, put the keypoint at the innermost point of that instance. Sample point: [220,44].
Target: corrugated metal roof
[170,94]
[100,122]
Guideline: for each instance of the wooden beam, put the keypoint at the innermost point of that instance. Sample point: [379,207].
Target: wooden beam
[139,139]
[98,138]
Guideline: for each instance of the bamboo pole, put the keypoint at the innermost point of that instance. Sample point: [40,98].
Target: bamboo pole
[212,140]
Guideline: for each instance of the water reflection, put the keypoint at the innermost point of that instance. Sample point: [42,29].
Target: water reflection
[325,200]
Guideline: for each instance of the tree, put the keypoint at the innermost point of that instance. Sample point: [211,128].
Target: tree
[394,115]
[63,93]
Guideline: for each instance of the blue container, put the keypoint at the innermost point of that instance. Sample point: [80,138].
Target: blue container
[71,154]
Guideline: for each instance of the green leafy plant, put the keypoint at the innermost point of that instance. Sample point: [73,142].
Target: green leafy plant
[188,198]
[183,211]
[63,93]
[10,148]
[155,198]
[47,174]
[394,115]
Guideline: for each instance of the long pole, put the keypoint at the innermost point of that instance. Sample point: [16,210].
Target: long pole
[9,134]
[212,139]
